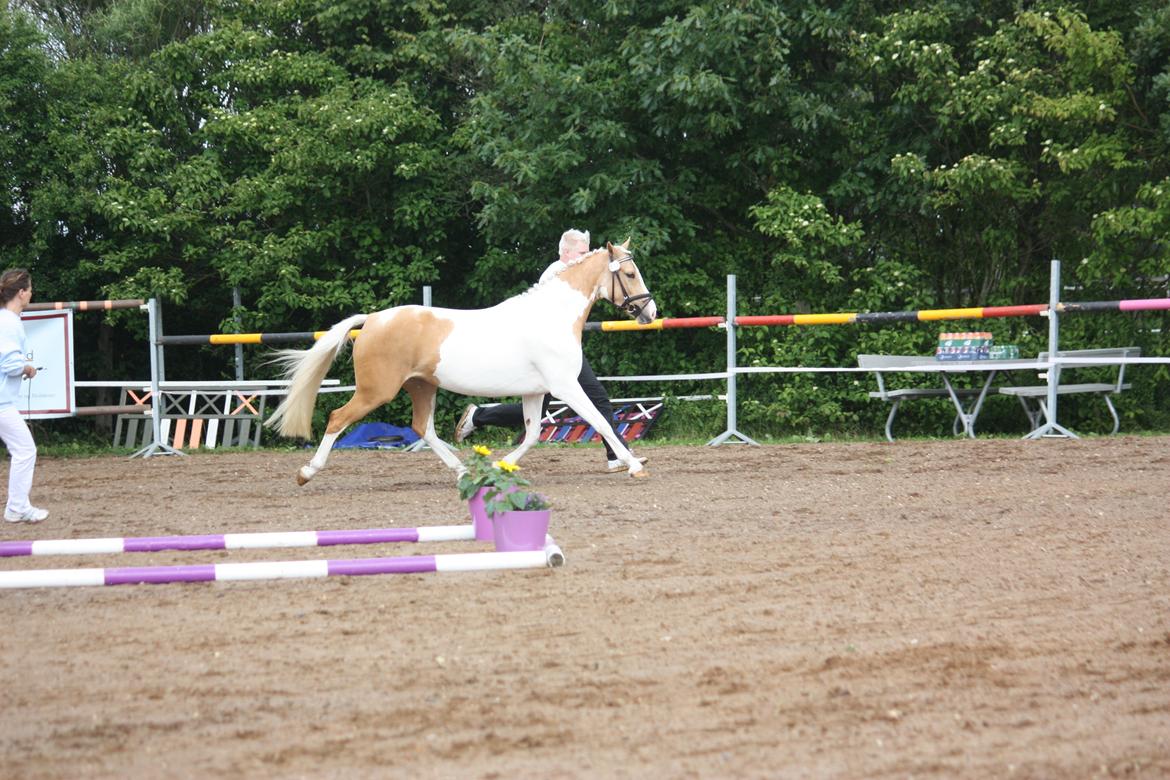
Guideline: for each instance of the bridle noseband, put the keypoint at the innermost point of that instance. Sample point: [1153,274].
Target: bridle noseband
[630,303]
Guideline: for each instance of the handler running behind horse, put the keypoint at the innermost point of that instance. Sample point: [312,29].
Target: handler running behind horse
[574,243]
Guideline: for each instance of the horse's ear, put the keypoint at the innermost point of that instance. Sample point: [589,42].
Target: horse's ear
[609,247]
[626,244]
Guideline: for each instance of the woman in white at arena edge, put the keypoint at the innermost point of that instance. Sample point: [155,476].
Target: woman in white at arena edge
[15,294]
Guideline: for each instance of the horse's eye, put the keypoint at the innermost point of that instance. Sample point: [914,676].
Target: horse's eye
[629,274]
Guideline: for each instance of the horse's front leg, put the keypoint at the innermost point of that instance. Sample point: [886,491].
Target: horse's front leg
[576,398]
[422,401]
[533,411]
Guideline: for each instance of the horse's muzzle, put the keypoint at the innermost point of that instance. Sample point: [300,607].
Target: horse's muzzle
[646,314]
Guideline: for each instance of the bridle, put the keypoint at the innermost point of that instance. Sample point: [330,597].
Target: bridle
[630,303]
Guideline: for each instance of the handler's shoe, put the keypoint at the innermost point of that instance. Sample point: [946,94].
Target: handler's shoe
[465,426]
[30,515]
[615,466]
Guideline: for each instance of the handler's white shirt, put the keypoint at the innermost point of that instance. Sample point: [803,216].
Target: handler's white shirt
[12,358]
[555,268]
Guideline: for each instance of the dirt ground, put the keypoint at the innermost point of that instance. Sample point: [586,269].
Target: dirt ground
[948,609]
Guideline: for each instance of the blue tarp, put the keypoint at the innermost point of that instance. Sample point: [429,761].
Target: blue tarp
[376,436]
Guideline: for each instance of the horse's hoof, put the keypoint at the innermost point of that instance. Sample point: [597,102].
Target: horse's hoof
[301,478]
[639,474]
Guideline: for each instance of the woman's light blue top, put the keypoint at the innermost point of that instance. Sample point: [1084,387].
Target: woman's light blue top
[12,358]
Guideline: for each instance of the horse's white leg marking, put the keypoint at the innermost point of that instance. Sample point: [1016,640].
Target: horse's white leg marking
[317,463]
[574,396]
[532,408]
[441,449]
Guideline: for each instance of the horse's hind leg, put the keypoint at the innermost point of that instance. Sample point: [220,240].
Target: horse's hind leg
[422,402]
[362,403]
[533,411]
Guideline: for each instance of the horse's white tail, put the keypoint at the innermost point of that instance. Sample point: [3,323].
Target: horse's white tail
[307,368]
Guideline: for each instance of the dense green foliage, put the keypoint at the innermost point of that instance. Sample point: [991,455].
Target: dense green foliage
[331,156]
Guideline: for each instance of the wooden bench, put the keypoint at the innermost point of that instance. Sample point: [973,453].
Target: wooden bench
[1034,397]
[964,419]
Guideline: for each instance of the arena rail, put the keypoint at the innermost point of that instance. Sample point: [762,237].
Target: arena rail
[134,303]
[1052,310]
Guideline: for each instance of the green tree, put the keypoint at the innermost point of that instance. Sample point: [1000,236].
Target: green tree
[328,156]
[1007,137]
[24,72]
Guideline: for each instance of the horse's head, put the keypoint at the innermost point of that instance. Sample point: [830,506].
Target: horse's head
[625,288]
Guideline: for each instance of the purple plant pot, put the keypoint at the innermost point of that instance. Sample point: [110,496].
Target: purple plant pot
[521,530]
[479,518]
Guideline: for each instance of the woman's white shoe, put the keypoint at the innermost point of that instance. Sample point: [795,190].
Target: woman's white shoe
[30,515]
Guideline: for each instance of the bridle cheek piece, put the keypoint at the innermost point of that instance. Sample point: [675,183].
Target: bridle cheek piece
[633,305]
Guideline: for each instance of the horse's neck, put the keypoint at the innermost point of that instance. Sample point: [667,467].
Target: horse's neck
[549,300]
[582,275]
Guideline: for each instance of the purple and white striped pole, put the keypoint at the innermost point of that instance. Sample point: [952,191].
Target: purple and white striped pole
[253,541]
[550,556]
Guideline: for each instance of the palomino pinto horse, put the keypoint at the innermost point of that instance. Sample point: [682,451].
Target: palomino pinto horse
[528,345]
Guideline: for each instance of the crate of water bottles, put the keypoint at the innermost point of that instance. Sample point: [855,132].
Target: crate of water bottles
[972,345]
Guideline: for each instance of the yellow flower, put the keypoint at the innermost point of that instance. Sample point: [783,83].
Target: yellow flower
[504,465]
[479,449]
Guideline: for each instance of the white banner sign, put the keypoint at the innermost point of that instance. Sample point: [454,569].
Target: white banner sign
[50,349]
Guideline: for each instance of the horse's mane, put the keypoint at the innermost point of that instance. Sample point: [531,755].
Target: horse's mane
[579,260]
[567,265]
